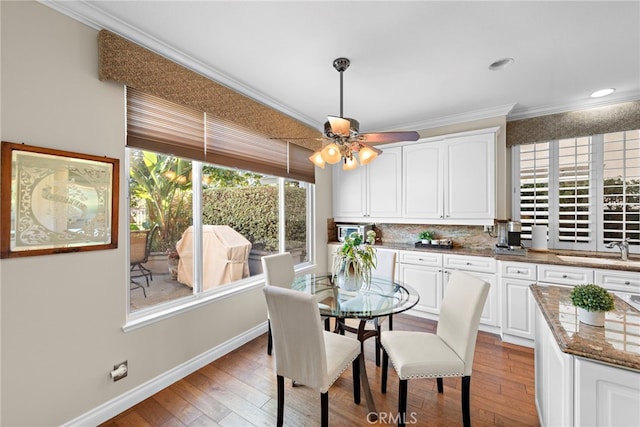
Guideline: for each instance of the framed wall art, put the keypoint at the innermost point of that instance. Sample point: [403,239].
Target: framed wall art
[55,201]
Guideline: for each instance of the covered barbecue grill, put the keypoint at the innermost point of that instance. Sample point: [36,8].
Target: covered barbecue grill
[225,255]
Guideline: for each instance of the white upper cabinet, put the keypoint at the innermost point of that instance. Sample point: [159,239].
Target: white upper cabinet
[451,180]
[372,191]
[447,180]
[423,181]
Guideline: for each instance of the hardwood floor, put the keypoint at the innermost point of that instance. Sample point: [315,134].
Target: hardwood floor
[239,389]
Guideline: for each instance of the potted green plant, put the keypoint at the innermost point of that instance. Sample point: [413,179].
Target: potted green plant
[354,260]
[592,302]
[425,237]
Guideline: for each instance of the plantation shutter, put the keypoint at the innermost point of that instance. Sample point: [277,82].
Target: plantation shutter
[534,186]
[621,185]
[155,124]
[575,216]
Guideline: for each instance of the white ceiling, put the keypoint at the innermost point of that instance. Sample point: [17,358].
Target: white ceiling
[414,64]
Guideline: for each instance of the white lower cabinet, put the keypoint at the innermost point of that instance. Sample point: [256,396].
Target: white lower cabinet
[428,273]
[573,391]
[553,378]
[518,305]
[606,396]
[423,272]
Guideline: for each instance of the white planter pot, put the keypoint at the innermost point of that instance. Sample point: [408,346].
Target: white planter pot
[593,318]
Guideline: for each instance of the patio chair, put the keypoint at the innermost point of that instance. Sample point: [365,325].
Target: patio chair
[139,250]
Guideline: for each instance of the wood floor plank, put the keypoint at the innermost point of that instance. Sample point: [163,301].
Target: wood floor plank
[239,389]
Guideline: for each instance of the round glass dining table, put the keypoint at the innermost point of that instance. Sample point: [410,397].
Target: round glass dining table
[378,298]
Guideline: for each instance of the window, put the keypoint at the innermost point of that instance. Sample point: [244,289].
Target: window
[222,198]
[585,189]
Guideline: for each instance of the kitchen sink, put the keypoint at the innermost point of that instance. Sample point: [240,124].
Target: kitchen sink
[600,261]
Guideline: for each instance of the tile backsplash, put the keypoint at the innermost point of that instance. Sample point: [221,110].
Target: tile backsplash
[468,236]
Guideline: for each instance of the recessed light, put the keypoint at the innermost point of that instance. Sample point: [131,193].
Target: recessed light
[602,92]
[501,64]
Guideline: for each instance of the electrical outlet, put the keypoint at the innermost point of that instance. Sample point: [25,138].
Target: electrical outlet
[120,371]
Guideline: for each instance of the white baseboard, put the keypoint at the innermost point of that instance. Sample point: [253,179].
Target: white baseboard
[136,395]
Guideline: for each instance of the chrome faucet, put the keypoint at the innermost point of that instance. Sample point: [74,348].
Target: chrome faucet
[623,245]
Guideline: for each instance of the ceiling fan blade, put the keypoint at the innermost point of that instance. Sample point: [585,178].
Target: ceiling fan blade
[340,126]
[380,137]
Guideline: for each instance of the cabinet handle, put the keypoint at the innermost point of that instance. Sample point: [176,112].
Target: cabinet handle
[468,263]
[564,276]
[518,272]
[627,282]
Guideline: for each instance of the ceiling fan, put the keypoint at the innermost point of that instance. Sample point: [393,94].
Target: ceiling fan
[343,138]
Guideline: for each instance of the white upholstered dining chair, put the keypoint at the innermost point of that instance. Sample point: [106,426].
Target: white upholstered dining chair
[304,352]
[385,269]
[447,353]
[279,271]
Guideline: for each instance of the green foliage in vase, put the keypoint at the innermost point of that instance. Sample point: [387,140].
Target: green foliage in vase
[356,256]
[592,298]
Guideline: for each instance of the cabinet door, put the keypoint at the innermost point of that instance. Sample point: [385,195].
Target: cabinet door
[349,192]
[470,191]
[384,184]
[518,308]
[422,181]
[490,313]
[606,396]
[427,281]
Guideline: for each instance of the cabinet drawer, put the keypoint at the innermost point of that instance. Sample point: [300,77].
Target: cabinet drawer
[470,263]
[518,270]
[628,281]
[420,258]
[560,275]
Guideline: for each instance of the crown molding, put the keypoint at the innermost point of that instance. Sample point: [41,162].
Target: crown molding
[586,104]
[470,116]
[86,13]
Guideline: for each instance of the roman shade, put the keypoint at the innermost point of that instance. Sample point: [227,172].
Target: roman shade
[162,126]
[177,100]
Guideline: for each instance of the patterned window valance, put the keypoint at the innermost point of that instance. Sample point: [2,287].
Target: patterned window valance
[595,121]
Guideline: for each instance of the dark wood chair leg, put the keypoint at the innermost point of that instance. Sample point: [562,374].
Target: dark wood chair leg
[440,386]
[327,324]
[385,366]
[466,409]
[378,346]
[280,421]
[356,380]
[324,410]
[402,403]
[269,339]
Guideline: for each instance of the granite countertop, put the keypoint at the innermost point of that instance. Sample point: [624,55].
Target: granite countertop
[536,257]
[617,343]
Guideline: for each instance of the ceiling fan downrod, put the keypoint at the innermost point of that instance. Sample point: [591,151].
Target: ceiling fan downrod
[341,64]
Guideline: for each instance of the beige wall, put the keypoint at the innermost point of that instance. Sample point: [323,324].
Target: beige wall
[62,315]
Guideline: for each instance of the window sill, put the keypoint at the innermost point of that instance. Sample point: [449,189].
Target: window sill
[183,305]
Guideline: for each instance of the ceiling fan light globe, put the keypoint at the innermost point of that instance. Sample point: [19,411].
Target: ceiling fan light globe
[331,153]
[366,155]
[316,159]
[349,163]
